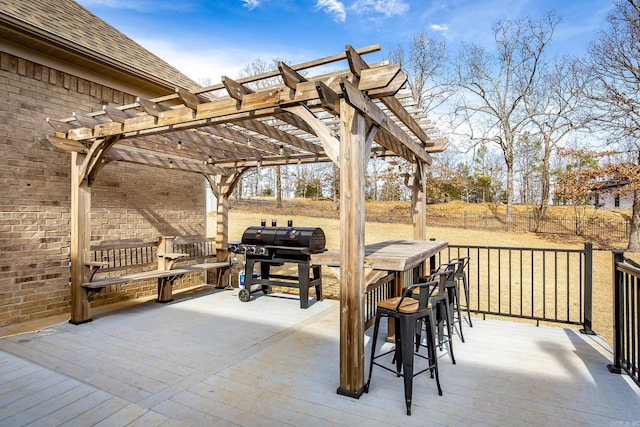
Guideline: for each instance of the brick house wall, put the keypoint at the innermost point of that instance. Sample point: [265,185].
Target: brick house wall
[127,202]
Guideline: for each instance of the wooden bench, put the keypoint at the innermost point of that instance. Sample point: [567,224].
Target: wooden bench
[171,258]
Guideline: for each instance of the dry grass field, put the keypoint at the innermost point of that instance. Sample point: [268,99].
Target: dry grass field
[375,232]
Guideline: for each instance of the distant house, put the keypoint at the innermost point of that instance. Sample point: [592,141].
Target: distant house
[611,196]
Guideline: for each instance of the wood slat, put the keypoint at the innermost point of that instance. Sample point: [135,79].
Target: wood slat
[87,121]
[110,128]
[273,133]
[60,126]
[262,99]
[360,67]
[356,64]
[80,133]
[190,100]
[328,98]
[378,78]
[66,145]
[391,89]
[140,122]
[150,107]
[244,147]
[235,89]
[290,77]
[178,115]
[116,114]
[398,110]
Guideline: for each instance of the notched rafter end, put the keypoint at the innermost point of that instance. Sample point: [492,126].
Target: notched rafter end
[63,144]
[116,114]
[290,77]
[189,99]
[59,126]
[235,89]
[150,107]
[329,100]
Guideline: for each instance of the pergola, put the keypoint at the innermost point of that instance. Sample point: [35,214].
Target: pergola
[223,130]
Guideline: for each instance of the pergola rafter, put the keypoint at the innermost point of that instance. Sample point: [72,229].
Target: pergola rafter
[221,131]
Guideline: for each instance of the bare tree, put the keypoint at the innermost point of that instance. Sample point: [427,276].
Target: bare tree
[259,66]
[528,161]
[614,61]
[555,110]
[494,85]
[425,63]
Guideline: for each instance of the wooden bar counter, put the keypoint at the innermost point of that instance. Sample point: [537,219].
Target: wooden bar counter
[390,255]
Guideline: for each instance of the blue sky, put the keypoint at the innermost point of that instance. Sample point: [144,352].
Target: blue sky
[211,39]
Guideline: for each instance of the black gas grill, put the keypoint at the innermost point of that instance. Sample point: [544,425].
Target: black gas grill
[276,246]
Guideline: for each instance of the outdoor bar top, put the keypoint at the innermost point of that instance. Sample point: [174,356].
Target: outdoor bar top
[390,255]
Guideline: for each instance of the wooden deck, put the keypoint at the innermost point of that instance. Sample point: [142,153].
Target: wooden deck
[209,359]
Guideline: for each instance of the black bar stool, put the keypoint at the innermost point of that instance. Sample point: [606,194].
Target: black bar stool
[407,310]
[453,292]
[461,277]
[441,301]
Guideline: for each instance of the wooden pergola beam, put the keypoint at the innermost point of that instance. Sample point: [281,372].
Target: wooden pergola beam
[140,157]
[360,101]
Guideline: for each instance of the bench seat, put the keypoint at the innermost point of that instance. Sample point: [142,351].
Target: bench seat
[153,274]
[165,260]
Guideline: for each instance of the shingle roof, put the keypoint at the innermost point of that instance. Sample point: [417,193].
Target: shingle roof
[66,23]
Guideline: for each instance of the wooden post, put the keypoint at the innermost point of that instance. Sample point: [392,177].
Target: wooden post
[419,202]
[222,237]
[352,162]
[419,209]
[222,187]
[80,239]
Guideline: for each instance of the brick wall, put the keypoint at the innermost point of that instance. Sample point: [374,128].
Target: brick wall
[127,202]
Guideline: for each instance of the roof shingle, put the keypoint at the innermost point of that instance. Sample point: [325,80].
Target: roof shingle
[71,25]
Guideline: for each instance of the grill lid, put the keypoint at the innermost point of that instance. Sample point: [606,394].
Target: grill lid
[312,238]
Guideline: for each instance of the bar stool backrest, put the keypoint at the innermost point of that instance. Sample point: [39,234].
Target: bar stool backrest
[462,263]
[422,292]
[442,276]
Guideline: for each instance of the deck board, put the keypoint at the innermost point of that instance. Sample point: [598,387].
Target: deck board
[209,359]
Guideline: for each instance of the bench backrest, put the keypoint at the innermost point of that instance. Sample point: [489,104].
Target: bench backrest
[124,253]
[195,246]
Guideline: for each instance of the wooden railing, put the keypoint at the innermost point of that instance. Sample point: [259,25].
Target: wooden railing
[378,291]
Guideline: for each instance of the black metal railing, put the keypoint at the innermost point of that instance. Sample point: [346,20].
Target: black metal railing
[548,285]
[540,284]
[626,314]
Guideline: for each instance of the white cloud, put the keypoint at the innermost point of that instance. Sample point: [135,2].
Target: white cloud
[439,28]
[203,63]
[385,7]
[251,4]
[334,8]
